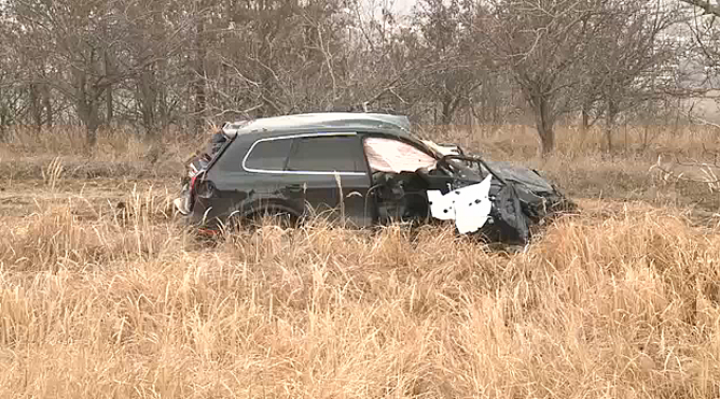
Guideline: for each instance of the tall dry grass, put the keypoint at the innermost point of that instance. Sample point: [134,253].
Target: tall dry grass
[632,141]
[119,152]
[626,305]
[101,301]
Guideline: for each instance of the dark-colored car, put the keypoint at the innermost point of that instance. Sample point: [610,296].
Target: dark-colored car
[364,169]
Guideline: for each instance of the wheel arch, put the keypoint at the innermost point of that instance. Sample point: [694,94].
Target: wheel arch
[244,211]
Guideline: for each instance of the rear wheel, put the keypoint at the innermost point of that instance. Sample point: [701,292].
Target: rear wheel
[270,217]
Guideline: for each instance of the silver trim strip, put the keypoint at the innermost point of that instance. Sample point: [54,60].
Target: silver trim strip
[297,172]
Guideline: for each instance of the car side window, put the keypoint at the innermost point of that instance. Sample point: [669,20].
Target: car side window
[269,155]
[327,154]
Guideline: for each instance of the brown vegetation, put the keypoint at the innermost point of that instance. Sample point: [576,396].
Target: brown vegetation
[102,64]
[95,301]
[103,294]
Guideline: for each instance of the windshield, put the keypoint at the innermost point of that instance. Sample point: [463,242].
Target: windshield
[459,169]
[462,171]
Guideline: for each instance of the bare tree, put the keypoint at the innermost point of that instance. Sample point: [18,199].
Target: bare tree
[152,59]
[541,44]
[10,93]
[449,72]
[169,62]
[632,63]
[77,37]
[709,7]
[276,57]
[546,46]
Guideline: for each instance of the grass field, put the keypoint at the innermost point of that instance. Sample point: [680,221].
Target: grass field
[620,301]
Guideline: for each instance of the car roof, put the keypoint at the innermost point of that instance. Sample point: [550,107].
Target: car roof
[397,125]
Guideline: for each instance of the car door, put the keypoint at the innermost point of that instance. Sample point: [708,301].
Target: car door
[329,173]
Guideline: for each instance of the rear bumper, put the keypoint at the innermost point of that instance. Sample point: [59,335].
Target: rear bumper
[196,217]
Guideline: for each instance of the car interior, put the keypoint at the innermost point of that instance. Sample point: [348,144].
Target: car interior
[401,176]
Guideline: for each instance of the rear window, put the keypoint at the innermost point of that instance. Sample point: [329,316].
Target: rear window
[327,154]
[206,153]
[213,146]
[269,155]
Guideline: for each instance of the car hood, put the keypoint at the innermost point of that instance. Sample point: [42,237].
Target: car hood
[529,178]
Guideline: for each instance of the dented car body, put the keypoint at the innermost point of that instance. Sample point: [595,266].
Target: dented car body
[366,170]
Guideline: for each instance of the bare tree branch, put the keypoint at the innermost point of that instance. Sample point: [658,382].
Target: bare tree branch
[705,5]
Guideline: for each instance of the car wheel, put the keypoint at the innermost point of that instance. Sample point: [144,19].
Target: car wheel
[273,217]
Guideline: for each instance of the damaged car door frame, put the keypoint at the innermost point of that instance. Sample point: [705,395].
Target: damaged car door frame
[505,220]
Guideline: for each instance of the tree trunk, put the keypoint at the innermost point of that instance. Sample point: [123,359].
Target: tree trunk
[47,103]
[450,105]
[87,109]
[146,101]
[161,114]
[200,96]
[585,119]
[610,124]
[608,135]
[3,124]
[109,104]
[544,121]
[88,114]
[446,116]
[91,134]
[470,117]
[35,109]
[484,103]
[109,93]
[86,106]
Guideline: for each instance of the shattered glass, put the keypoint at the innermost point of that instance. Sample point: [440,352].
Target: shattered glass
[387,155]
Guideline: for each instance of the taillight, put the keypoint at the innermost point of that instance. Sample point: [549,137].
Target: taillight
[192,187]
[190,193]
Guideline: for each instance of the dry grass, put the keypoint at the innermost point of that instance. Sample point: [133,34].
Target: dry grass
[626,305]
[119,153]
[637,142]
[620,302]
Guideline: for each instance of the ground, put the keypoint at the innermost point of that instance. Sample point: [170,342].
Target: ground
[99,300]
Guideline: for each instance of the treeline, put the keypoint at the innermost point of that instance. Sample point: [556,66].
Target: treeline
[186,63]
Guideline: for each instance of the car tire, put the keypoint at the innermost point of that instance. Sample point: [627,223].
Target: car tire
[271,216]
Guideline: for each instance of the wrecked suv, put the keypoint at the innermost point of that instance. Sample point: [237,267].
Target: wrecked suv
[366,170]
